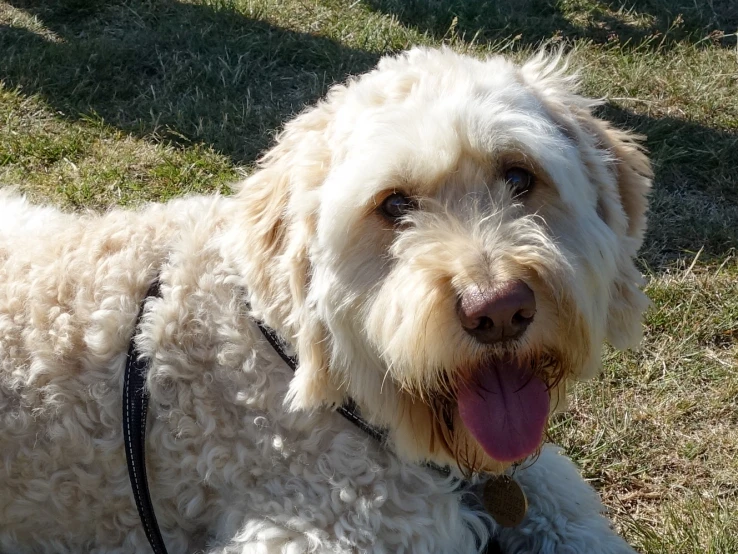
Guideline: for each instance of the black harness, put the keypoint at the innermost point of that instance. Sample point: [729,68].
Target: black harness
[135,405]
[348,410]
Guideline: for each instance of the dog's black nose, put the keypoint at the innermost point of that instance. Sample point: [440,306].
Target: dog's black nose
[499,313]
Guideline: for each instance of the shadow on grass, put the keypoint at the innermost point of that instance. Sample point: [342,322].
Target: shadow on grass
[637,23]
[202,74]
[694,204]
[182,72]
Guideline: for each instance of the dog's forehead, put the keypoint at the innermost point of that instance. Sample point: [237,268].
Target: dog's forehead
[449,124]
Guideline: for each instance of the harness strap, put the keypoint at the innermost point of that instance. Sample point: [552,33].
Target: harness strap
[349,409]
[135,405]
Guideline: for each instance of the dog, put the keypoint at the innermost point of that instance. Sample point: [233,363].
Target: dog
[444,241]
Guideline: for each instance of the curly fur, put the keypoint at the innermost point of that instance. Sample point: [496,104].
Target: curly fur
[243,456]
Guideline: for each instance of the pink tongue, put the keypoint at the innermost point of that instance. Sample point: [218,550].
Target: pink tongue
[506,410]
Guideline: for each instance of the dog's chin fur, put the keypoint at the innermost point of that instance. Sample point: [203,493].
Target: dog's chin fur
[243,452]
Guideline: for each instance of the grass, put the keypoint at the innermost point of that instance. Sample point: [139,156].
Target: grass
[108,102]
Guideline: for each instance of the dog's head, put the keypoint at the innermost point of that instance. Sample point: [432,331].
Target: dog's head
[447,241]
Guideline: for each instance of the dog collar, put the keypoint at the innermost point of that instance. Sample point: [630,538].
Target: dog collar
[503,498]
[349,409]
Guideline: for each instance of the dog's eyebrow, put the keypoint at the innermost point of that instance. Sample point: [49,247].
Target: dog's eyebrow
[560,123]
[567,132]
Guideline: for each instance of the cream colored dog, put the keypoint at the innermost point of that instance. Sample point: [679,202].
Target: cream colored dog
[447,241]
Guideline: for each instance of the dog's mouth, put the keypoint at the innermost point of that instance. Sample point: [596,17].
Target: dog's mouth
[505,407]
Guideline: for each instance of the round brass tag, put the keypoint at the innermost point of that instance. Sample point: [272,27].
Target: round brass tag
[505,501]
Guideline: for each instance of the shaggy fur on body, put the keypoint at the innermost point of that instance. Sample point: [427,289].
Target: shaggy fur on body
[245,456]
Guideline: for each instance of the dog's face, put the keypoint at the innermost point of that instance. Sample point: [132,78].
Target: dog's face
[448,241]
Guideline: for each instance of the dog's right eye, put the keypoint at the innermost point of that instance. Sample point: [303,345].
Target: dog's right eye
[520,180]
[396,205]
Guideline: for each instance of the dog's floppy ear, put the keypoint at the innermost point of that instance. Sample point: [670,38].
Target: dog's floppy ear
[622,186]
[633,175]
[278,204]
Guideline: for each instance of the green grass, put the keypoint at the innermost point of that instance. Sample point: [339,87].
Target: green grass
[108,102]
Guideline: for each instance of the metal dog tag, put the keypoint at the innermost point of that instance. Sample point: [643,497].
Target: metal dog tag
[505,501]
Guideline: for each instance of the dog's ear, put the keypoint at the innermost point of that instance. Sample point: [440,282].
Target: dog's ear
[278,206]
[625,212]
[622,184]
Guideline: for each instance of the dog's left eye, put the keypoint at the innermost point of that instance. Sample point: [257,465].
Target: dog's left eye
[520,180]
[396,205]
